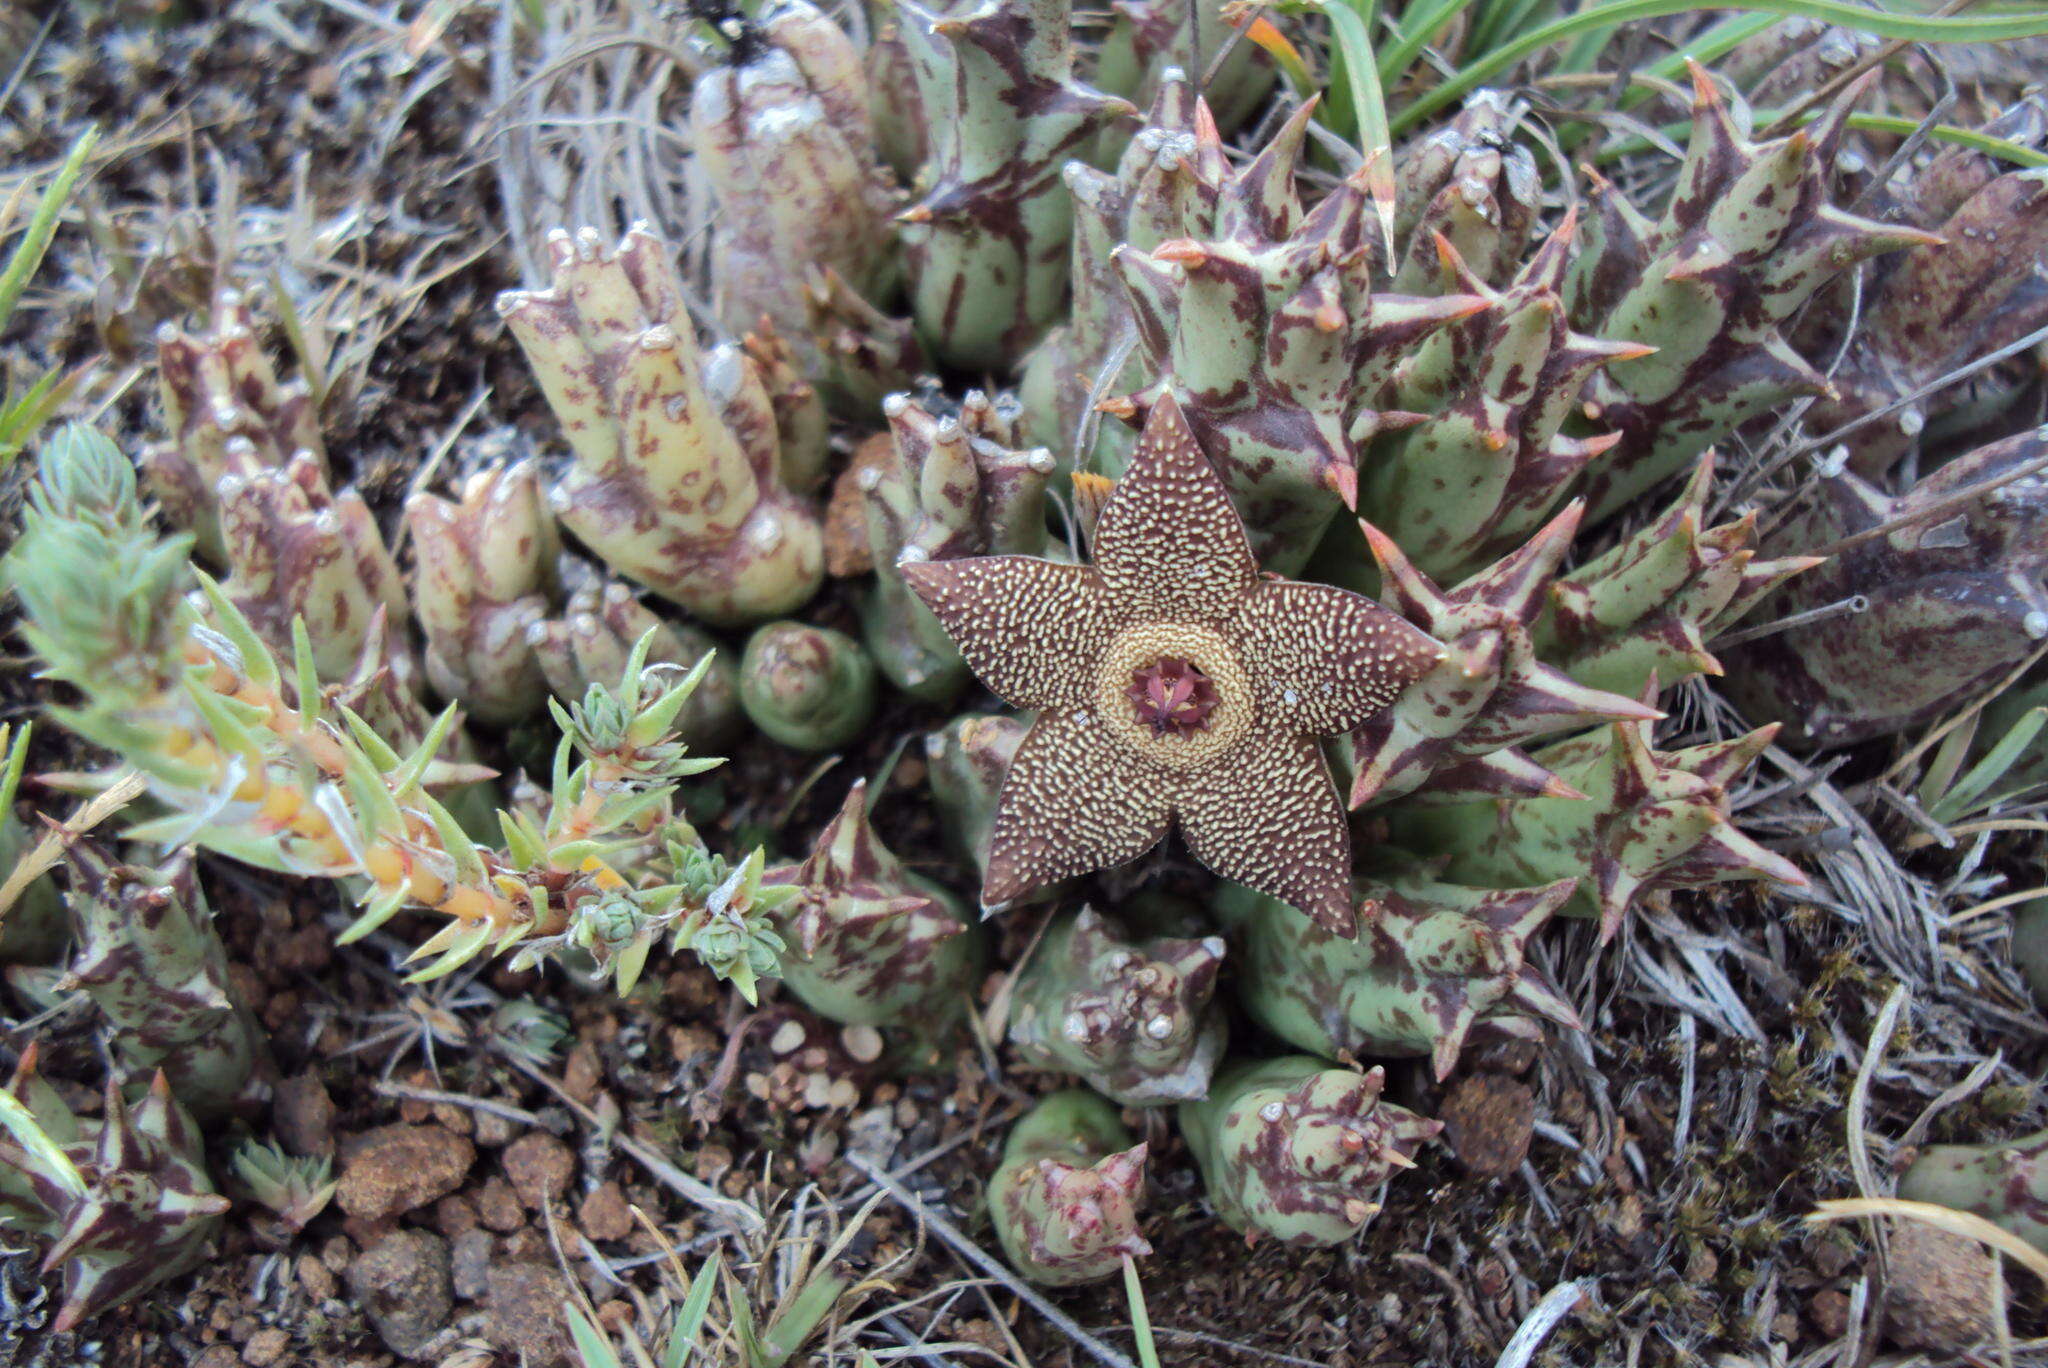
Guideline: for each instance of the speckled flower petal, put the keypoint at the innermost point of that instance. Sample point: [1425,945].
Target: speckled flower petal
[1326,660]
[1268,817]
[1030,629]
[1073,801]
[1170,545]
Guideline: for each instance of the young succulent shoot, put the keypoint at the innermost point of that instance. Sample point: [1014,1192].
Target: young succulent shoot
[1133,1018]
[123,1200]
[731,918]
[1292,1149]
[1065,1198]
[986,246]
[810,688]
[295,1189]
[2006,1183]
[1648,819]
[869,942]
[1748,236]
[966,761]
[951,486]
[1952,600]
[1435,967]
[1262,322]
[1458,730]
[486,576]
[781,132]
[297,551]
[1172,683]
[150,960]
[593,636]
[227,414]
[675,482]
[1648,607]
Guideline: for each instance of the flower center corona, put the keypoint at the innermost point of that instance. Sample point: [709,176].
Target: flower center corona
[1172,695]
[1174,692]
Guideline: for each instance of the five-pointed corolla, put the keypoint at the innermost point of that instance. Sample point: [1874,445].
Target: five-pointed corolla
[1173,682]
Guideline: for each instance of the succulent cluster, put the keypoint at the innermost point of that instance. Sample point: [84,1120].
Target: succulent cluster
[1304,505]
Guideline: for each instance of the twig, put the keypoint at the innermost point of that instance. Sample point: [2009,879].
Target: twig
[517,1115]
[1557,1303]
[742,1218]
[990,1265]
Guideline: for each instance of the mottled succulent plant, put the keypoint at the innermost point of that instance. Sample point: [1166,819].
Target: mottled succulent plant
[1952,593]
[1262,321]
[986,242]
[1133,1017]
[1151,42]
[869,942]
[1093,352]
[1478,476]
[1649,819]
[1291,1149]
[1473,183]
[226,413]
[1748,235]
[592,638]
[949,486]
[1648,607]
[123,1200]
[2006,1183]
[781,131]
[151,962]
[298,552]
[1939,305]
[1065,1198]
[486,576]
[676,479]
[966,761]
[1434,966]
[1173,685]
[1459,729]
[808,687]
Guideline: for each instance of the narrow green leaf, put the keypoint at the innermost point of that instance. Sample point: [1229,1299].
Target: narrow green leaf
[1986,28]
[42,225]
[1141,1317]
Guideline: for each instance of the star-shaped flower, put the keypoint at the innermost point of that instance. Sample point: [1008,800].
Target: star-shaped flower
[1173,682]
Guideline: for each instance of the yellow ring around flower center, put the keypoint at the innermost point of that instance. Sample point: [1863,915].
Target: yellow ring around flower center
[1140,645]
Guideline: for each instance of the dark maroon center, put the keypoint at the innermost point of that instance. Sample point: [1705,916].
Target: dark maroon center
[1172,696]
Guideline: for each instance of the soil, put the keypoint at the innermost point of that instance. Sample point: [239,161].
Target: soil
[1663,1162]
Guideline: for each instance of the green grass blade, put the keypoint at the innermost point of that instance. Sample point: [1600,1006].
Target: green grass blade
[1986,28]
[1416,31]
[1141,1316]
[689,1323]
[1360,79]
[591,1345]
[2016,153]
[1962,796]
[42,225]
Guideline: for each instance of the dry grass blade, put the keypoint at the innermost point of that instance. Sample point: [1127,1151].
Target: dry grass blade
[51,848]
[1941,1218]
